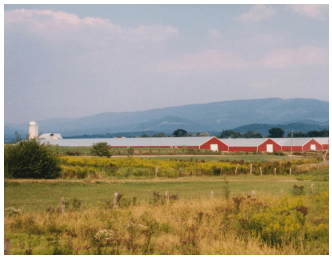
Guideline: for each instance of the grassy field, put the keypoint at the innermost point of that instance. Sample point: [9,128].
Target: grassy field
[270,223]
[85,151]
[234,222]
[248,158]
[32,195]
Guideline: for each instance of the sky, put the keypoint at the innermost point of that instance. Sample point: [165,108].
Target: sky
[70,61]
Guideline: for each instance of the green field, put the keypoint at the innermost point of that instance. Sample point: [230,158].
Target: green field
[41,194]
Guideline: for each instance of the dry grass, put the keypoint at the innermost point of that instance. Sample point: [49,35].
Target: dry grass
[181,227]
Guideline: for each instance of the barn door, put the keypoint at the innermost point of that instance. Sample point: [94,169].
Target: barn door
[269,147]
[312,147]
[214,147]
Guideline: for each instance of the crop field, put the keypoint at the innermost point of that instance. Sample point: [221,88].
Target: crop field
[234,220]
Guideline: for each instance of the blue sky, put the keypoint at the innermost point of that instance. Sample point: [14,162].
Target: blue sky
[68,61]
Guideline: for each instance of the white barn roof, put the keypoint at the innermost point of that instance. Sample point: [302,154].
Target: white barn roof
[133,142]
[322,140]
[292,141]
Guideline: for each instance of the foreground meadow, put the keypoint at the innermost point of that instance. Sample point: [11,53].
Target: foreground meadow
[231,222]
[267,224]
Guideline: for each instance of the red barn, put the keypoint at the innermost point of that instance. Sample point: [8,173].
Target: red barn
[324,141]
[252,144]
[298,144]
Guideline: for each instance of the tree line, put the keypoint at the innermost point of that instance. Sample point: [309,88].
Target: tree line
[275,132]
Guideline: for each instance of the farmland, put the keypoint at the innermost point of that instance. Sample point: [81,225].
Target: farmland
[233,221]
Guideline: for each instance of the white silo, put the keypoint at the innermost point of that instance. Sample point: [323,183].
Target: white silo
[33,130]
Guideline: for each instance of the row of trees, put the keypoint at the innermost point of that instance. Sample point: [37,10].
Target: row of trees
[177,133]
[275,132]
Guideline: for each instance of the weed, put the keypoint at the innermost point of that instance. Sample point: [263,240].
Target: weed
[298,190]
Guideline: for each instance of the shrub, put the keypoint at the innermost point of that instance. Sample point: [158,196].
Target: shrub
[73,153]
[30,159]
[101,149]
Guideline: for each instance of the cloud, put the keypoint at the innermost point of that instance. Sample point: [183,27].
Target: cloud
[50,25]
[207,61]
[257,13]
[283,58]
[213,34]
[315,11]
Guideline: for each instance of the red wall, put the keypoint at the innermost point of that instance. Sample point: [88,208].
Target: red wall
[306,147]
[221,146]
[325,146]
[294,148]
[276,147]
[246,149]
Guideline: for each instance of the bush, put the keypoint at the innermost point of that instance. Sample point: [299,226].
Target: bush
[30,159]
[101,149]
[73,153]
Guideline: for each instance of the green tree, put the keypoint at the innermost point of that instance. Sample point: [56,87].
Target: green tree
[30,159]
[252,134]
[202,134]
[324,133]
[145,135]
[314,133]
[298,134]
[230,134]
[160,135]
[276,132]
[101,149]
[180,133]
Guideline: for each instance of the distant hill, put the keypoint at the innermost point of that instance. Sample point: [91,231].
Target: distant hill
[214,117]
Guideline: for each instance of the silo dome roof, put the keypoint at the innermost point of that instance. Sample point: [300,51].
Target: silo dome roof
[32,123]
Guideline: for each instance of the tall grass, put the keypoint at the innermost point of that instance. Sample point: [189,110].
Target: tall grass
[265,225]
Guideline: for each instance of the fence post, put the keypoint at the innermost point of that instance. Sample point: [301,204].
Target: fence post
[312,189]
[7,246]
[211,195]
[260,169]
[281,190]
[220,171]
[63,204]
[116,200]
[156,170]
[275,171]
[250,169]
[317,164]
[167,198]
[298,169]
[253,194]
[180,172]
[290,171]
[236,170]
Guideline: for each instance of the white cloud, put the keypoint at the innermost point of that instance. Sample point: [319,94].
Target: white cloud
[50,25]
[257,13]
[283,58]
[213,34]
[207,61]
[315,11]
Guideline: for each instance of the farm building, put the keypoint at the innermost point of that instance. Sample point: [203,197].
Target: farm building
[48,136]
[207,143]
[251,144]
[298,144]
[324,141]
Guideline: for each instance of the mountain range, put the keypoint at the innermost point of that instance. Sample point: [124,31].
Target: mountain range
[298,114]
